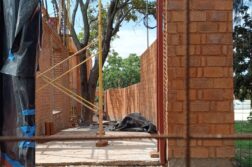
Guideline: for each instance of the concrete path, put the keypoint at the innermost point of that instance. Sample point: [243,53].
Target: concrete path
[131,152]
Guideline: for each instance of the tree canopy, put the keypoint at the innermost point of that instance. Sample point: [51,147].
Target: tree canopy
[119,72]
[238,4]
[243,56]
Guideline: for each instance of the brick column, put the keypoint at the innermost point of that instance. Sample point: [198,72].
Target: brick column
[211,77]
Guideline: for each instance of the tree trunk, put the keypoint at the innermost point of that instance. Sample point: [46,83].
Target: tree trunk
[94,74]
[86,114]
[93,78]
[88,85]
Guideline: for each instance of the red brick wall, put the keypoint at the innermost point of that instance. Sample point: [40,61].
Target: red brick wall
[211,77]
[75,81]
[74,76]
[50,99]
[148,88]
[120,102]
[140,97]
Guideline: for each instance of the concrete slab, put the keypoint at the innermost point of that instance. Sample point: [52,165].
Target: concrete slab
[134,152]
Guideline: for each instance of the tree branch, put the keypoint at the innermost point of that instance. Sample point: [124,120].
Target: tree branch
[56,5]
[123,5]
[74,12]
[84,11]
[119,22]
[73,32]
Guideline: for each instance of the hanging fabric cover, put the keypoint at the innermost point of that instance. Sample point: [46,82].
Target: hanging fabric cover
[20,33]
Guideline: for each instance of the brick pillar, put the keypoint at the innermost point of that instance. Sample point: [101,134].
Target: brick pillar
[211,78]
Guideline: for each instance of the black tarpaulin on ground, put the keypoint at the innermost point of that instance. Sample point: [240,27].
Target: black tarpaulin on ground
[135,122]
[20,32]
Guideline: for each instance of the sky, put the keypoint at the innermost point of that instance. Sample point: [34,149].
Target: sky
[132,37]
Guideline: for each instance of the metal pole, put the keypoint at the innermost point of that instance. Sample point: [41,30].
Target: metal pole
[65,60]
[66,91]
[71,92]
[65,73]
[160,97]
[100,72]
[125,137]
[147,21]
[187,86]
[100,143]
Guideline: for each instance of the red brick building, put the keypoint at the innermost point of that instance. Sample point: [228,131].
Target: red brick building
[54,106]
[51,104]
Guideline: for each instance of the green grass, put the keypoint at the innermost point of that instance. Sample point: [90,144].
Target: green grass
[243,127]
[243,147]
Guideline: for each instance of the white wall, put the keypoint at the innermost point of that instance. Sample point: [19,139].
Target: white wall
[242,109]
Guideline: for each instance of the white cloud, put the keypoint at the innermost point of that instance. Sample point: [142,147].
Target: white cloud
[132,41]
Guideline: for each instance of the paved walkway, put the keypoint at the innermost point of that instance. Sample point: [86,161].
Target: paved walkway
[85,152]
